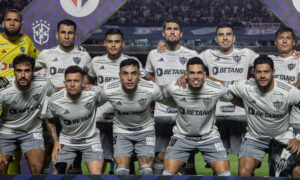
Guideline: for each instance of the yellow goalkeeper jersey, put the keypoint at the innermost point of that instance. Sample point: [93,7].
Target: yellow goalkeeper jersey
[9,50]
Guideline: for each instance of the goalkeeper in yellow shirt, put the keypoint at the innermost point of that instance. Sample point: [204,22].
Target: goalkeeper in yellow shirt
[13,43]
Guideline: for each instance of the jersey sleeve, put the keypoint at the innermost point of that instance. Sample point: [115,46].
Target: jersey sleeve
[149,66]
[167,96]
[237,89]
[91,71]
[157,94]
[294,98]
[252,56]
[41,61]
[203,56]
[51,88]
[50,110]
[87,66]
[225,95]
[33,51]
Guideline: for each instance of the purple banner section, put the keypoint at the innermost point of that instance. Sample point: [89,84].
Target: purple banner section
[288,11]
[40,18]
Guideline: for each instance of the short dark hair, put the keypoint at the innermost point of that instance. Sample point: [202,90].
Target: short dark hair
[224,25]
[67,22]
[24,58]
[128,62]
[74,69]
[172,21]
[263,59]
[113,31]
[14,11]
[283,29]
[193,61]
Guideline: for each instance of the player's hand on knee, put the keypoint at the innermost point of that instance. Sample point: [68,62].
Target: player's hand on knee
[294,146]
[3,160]
[161,47]
[56,147]
[181,82]
[3,82]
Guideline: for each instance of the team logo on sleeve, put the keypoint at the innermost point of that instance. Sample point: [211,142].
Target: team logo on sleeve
[41,32]
[291,66]
[36,97]
[207,101]
[237,58]
[142,102]
[183,60]
[76,60]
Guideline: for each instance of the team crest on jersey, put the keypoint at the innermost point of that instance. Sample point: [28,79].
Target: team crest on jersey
[237,58]
[291,66]
[76,60]
[88,105]
[142,102]
[183,60]
[161,60]
[22,49]
[119,103]
[36,97]
[41,32]
[207,101]
[277,102]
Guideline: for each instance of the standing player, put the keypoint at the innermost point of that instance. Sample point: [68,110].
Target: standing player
[195,127]
[163,68]
[267,102]
[13,43]
[75,110]
[22,102]
[287,66]
[133,124]
[57,59]
[106,69]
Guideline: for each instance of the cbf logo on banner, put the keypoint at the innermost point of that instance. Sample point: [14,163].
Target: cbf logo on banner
[288,11]
[41,17]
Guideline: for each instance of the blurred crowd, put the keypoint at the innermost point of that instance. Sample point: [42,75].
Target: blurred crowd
[188,11]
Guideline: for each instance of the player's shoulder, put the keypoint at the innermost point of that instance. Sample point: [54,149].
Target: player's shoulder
[187,50]
[24,38]
[40,79]
[57,95]
[213,84]
[282,85]
[248,82]
[112,85]
[99,58]
[146,84]
[8,87]
[125,56]
[53,50]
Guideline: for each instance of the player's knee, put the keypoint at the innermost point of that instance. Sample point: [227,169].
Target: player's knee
[61,167]
[296,172]
[146,170]
[158,168]
[122,170]
[36,168]
[167,173]
[245,171]
[224,173]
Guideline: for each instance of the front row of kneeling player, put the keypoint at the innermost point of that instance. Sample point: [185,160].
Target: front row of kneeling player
[267,103]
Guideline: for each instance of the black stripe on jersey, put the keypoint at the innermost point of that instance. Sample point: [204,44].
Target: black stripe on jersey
[57,96]
[213,84]
[284,86]
[113,85]
[39,78]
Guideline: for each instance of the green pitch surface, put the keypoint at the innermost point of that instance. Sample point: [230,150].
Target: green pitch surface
[202,171]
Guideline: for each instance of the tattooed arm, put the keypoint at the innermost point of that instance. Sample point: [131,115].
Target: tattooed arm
[52,129]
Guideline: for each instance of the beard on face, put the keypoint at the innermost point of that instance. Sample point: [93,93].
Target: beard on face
[267,86]
[172,43]
[12,33]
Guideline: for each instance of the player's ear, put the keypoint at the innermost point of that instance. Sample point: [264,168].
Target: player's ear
[56,35]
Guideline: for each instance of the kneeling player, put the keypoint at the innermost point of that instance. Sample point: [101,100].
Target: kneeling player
[21,103]
[75,110]
[195,127]
[133,124]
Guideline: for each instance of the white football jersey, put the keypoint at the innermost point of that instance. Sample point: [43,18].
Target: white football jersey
[107,70]
[132,111]
[267,113]
[196,110]
[21,109]
[77,117]
[56,61]
[287,69]
[233,66]
[167,67]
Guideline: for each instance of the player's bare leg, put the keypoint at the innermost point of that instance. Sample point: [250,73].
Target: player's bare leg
[296,172]
[247,166]
[159,160]
[145,164]
[35,159]
[4,166]
[94,167]
[220,168]
[172,166]
[122,165]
